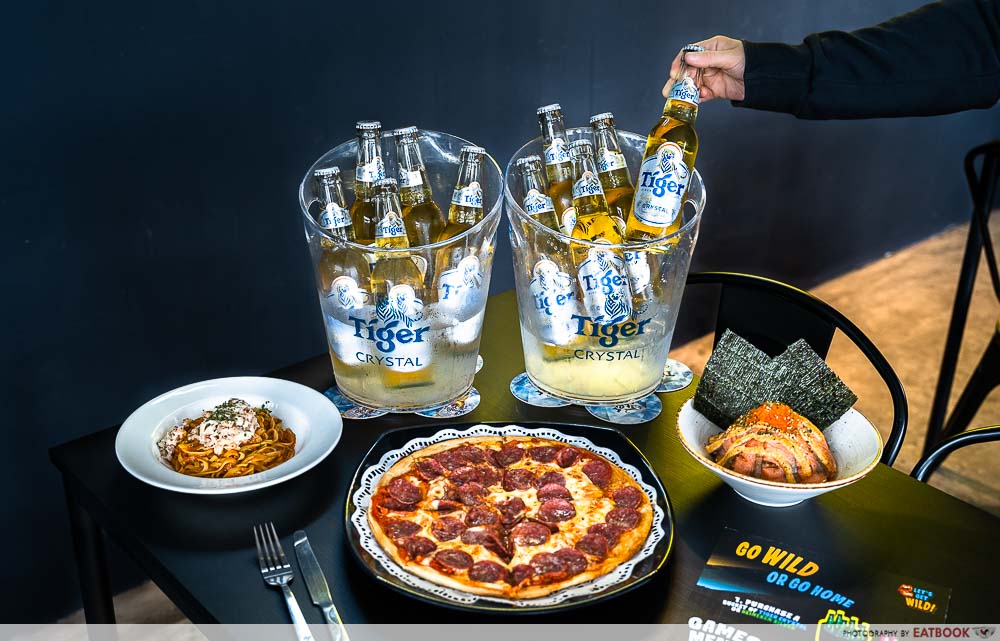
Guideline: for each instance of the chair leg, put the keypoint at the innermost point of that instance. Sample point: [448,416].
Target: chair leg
[984,380]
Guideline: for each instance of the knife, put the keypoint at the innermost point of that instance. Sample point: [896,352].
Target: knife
[318,588]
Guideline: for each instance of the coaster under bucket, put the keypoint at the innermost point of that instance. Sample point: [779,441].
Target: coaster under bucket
[631,413]
[349,409]
[676,376]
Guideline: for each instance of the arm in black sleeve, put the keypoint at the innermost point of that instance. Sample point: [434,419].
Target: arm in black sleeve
[941,58]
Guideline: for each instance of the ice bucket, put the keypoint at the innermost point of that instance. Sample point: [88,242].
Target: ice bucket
[585,341]
[414,349]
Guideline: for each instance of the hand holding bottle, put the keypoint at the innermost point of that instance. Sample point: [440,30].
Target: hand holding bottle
[722,63]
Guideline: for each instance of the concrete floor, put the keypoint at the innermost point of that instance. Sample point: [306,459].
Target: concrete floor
[903,303]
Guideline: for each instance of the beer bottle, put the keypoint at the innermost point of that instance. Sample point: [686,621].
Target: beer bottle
[537,202]
[424,220]
[467,199]
[611,166]
[398,287]
[343,269]
[369,170]
[607,296]
[558,166]
[667,162]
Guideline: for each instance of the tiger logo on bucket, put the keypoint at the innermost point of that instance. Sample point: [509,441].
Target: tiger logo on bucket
[401,305]
[606,294]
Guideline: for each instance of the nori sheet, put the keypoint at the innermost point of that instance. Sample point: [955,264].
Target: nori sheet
[739,377]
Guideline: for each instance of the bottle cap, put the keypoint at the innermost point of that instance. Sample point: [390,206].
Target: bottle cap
[405,131]
[326,172]
[368,125]
[473,149]
[386,182]
[694,48]
[527,160]
[607,115]
[548,108]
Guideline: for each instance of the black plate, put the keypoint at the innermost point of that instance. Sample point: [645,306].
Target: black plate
[601,436]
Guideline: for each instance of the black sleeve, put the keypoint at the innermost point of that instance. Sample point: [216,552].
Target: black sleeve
[941,58]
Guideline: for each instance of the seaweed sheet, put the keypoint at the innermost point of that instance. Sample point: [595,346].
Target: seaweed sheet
[739,377]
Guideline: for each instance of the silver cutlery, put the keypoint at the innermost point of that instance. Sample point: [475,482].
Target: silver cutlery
[319,590]
[277,572]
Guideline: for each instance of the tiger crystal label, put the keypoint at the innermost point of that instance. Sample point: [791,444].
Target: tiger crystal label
[460,289]
[663,179]
[554,302]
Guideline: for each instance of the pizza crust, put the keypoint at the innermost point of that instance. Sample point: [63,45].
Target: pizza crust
[630,541]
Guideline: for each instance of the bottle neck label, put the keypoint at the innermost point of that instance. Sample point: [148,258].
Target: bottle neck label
[606,295]
[370,171]
[608,160]
[391,226]
[587,185]
[686,91]
[557,152]
[471,196]
[569,220]
[410,178]
[663,180]
[536,203]
[334,217]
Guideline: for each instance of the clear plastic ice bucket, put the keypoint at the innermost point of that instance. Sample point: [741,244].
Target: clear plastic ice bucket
[587,339]
[408,348]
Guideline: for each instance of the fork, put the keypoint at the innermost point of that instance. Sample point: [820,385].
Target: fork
[277,572]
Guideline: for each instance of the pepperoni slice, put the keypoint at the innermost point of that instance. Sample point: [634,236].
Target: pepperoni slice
[471,493]
[404,491]
[555,510]
[610,532]
[518,479]
[487,572]
[567,456]
[487,536]
[390,503]
[543,453]
[553,491]
[445,505]
[548,567]
[447,528]
[454,559]
[598,471]
[573,560]
[481,515]
[398,528]
[509,454]
[465,474]
[471,453]
[529,533]
[416,546]
[628,496]
[450,459]
[511,510]
[520,573]
[429,469]
[551,477]
[488,475]
[625,518]
[491,457]
[594,545]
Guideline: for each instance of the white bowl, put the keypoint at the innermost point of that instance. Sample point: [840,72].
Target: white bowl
[314,419]
[854,442]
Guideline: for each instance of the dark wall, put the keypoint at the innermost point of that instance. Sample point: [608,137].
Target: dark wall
[154,149]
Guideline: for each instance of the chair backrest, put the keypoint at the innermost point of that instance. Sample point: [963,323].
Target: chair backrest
[773,315]
[930,462]
[983,185]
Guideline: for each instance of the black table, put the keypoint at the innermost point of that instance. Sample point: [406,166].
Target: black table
[198,549]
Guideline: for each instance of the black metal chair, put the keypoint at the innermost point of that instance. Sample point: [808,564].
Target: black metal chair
[773,315]
[930,462]
[983,185]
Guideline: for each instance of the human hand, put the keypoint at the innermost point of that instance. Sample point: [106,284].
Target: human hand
[722,64]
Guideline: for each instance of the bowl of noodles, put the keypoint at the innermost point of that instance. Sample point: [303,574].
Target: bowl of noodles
[228,435]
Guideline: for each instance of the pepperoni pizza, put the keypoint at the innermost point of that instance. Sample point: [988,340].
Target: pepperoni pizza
[516,517]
